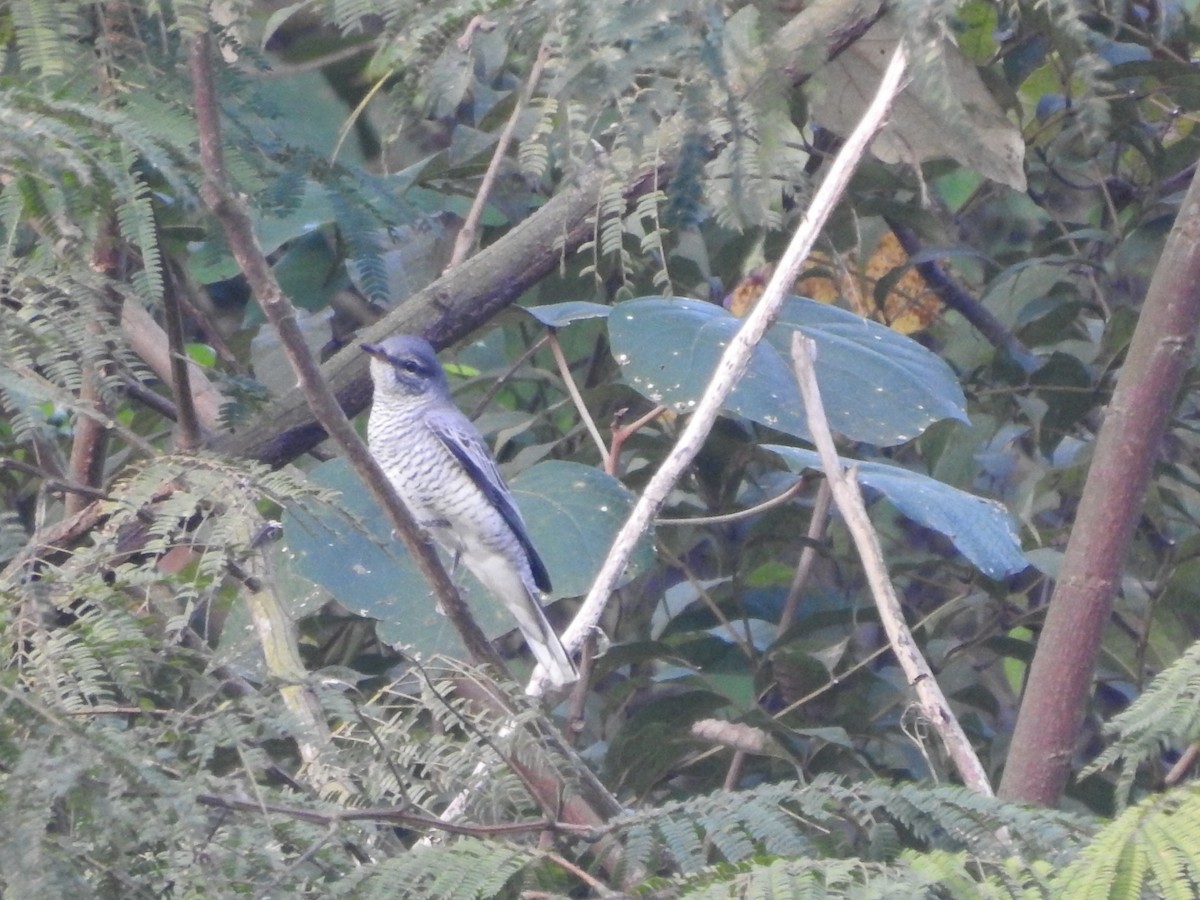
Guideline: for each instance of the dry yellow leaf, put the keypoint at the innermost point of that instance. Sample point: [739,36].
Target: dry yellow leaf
[911,305]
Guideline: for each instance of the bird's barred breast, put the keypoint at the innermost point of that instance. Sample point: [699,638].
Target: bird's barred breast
[438,491]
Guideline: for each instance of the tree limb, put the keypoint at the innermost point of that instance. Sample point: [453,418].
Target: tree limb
[482,285]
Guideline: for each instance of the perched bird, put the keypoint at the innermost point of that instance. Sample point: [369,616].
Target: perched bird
[443,471]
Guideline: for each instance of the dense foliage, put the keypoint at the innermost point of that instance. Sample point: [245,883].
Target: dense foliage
[223,676]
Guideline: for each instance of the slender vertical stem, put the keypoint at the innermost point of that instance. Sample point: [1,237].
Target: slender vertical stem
[846,494]
[1127,448]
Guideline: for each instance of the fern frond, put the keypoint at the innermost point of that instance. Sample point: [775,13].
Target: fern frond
[533,154]
[360,231]
[793,819]
[1166,714]
[46,35]
[1150,848]
[135,219]
[466,869]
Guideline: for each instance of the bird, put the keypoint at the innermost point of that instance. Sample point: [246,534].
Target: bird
[439,464]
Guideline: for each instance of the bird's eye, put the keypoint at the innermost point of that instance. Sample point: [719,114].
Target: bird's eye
[411,366]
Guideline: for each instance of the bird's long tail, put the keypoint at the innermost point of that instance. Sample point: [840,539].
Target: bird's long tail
[546,646]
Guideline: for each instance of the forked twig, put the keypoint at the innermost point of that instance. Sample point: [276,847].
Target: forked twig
[848,497]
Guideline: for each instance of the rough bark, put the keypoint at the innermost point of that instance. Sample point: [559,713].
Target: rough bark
[1060,678]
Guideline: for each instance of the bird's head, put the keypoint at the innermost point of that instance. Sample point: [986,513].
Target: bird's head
[404,367]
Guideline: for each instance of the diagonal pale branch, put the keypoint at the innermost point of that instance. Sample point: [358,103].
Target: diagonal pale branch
[734,361]
[848,497]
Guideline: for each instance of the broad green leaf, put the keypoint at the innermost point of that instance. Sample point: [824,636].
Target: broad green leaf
[982,530]
[878,386]
[309,272]
[352,554]
[1065,384]
[556,315]
[650,742]
[212,262]
[573,513]
[467,143]
[203,354]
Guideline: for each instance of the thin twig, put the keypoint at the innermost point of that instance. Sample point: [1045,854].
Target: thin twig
[90,411]
[52,482]
[564,369]
[601,889]
[623,433]
[149,398]
[742,640]
[955,296]
[808,556]
[1186,759]
[833,682]
[188,434]
[848,497]
[733,775]
[466,235]
[150,342]
[358,112]
[90,438]
[577,700]
[733,362]
[383,814]
[778,500]
[498,384]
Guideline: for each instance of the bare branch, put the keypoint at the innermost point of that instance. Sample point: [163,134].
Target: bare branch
[474,291]
[808,556]
[1126,450]
[564,370]
[785,496]
[955,296]
[622,433]
[188,432]
[848,498]
[382,814]
[147,339]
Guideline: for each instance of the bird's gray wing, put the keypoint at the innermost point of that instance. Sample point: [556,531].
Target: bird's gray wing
[462,439]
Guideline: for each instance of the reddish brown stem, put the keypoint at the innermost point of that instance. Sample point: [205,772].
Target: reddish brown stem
[1060,677]
[622,433]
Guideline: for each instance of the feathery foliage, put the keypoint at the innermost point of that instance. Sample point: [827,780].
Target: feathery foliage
[1150,849]
[1165,715]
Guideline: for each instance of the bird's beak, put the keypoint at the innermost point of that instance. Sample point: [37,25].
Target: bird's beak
[374,350]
